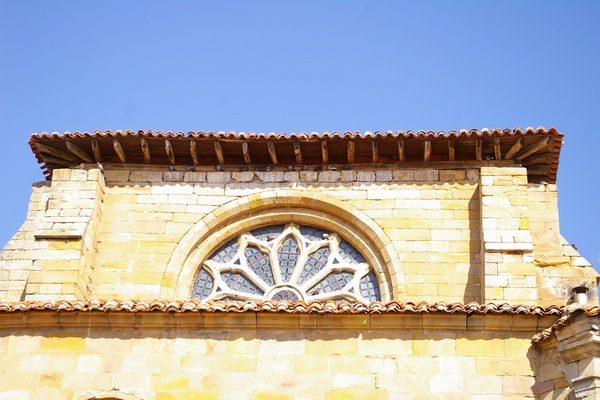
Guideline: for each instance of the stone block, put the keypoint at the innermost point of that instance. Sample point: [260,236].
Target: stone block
[403,175]
[194,176]
[329,176]
[451,175]
[383,176]
[426,175]
[365,176]
[218,177]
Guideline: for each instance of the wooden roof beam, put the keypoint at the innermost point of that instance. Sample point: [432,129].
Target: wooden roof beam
[324,152]
[478,149]
[272,152]
[194,152]
[514,148]
[145,150]
[55,152]
[170,152]
[297,152]
[497,148]
[246,153]
[119,150]
[351,152]
[543,158]
[219,152]
[532,149]
[401,155]
[538,169]
[426,150]
[78,151]
[451,150]
[48,159]
[375,151]
[96,150]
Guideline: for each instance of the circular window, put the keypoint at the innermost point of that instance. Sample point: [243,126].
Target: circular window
[286,262]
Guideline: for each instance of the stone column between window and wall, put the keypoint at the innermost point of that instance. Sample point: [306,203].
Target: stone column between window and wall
[66,237]
[508,270]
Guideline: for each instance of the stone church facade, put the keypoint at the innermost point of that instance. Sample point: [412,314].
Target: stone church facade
[304,266]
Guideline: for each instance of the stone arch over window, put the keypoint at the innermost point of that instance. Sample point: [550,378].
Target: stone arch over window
[287,208]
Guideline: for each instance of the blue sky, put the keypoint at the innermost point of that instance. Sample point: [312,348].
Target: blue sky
[292,66]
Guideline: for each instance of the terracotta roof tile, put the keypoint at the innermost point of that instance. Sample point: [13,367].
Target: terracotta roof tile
[329,307]
[55,150]
[567,317]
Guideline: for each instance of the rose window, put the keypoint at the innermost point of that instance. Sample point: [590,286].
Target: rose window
[288,262]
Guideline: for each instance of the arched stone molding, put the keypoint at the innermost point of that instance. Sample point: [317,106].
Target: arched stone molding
[279,207]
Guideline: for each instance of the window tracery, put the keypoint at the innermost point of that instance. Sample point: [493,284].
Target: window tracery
[287,262]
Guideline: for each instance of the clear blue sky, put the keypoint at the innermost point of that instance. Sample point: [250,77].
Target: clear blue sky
[291,66]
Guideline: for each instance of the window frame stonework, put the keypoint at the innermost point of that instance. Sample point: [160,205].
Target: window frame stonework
[283,207]
[287,262]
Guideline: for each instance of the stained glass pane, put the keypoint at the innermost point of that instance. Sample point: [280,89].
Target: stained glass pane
[369,288]
[268,233]
[331,283]
[240,283]
[287,257]
[203,286]
[226,252]
[315,262]
[350,254]
[260,264]
[312,233]
[285,295]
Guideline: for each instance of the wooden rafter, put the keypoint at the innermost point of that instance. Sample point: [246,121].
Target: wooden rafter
[375,151]
[272,152]
[96,150]
[426,150]
[119,150]
[55,152]
[538,169]
[194,152]
[514,148]
[350,151]
[543,158]
[451,150]
[532,149]
[401,156]
[219,152]
[55,160]
[478,149]
[297,152]
[78,151]
[324,152]
[497,149]
[170,152]
[246,153]
[145,150]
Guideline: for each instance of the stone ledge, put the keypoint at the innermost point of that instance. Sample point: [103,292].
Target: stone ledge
[509,247]
[58,234]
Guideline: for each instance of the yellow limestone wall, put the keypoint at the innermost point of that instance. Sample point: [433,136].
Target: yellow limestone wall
[457,235]
[270,356]
[478,233]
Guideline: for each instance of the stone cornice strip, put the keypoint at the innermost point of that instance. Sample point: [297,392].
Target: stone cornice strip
[330,307]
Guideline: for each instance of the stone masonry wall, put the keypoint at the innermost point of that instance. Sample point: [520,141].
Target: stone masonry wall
[111,235]
[430,216]
[259,357]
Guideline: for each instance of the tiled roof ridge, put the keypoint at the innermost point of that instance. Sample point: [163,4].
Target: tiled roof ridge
[567,317]
[329,307]
[293,135]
